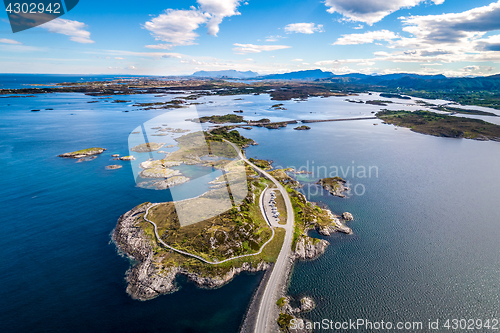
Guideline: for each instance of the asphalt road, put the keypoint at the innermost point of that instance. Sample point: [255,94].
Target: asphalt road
[269,297]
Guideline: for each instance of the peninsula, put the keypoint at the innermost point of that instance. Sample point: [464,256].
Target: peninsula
[242,236]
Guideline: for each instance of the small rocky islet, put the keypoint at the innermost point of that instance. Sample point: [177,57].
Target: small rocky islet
[83,153]
[336,186]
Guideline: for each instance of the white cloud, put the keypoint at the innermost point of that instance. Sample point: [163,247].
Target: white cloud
[273,38]
[338,62]
[367,37]
[358,27]
[304,28]
[453,27]
[154,55]
[176,27]
[251,48]
[370,11]
[9,41]
[452,37]
[297,60]
[218,10]
[74,29]
[470,68]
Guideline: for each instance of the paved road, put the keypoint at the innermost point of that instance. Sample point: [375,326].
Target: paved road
[269,296]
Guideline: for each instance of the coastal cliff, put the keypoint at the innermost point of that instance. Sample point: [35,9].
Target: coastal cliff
[309,248]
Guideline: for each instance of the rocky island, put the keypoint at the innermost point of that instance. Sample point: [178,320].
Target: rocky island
[84,153]
[302,128]
[336,186]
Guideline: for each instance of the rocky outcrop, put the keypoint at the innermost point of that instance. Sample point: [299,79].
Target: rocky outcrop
[336,186]
[309,248]
[307,304]
[289,313]
[147,147]
[335,226]
[113,167]
[83,153]
[149,278]
[347,216]
[219,281]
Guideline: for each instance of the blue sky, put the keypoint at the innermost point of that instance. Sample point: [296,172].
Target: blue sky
[453,37]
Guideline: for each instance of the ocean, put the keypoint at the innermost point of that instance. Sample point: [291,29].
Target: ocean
[426,229]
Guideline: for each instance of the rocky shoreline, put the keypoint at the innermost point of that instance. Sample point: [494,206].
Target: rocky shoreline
[336,186]
[149,278]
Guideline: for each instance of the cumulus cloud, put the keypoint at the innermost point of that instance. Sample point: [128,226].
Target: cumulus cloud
[217,11]
[9,41]
[454,36]
[177,27]
[471,68]
[367,37]
[251,48]
[304,28]
[370,11]
[453,27]
[273,38]
[74,29]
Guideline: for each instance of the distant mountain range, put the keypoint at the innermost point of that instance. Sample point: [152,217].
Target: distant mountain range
[393,81]
[231,74]
[318,74]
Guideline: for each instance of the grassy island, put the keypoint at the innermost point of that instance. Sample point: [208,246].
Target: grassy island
[463,111]
[84,152]
[335,185]
[302,128]
[441,125]
[235,231]
[228,118]
[378,102]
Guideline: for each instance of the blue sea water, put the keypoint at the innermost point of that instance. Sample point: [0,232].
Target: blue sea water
[60,272]
[426,227]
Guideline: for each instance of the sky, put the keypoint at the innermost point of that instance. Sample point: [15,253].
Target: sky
[151,37]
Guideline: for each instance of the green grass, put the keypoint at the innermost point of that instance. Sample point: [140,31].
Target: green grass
[93,151]
[233,136]
[442,125]
[228,118]
[284,321]
[281,302]
[263,164]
